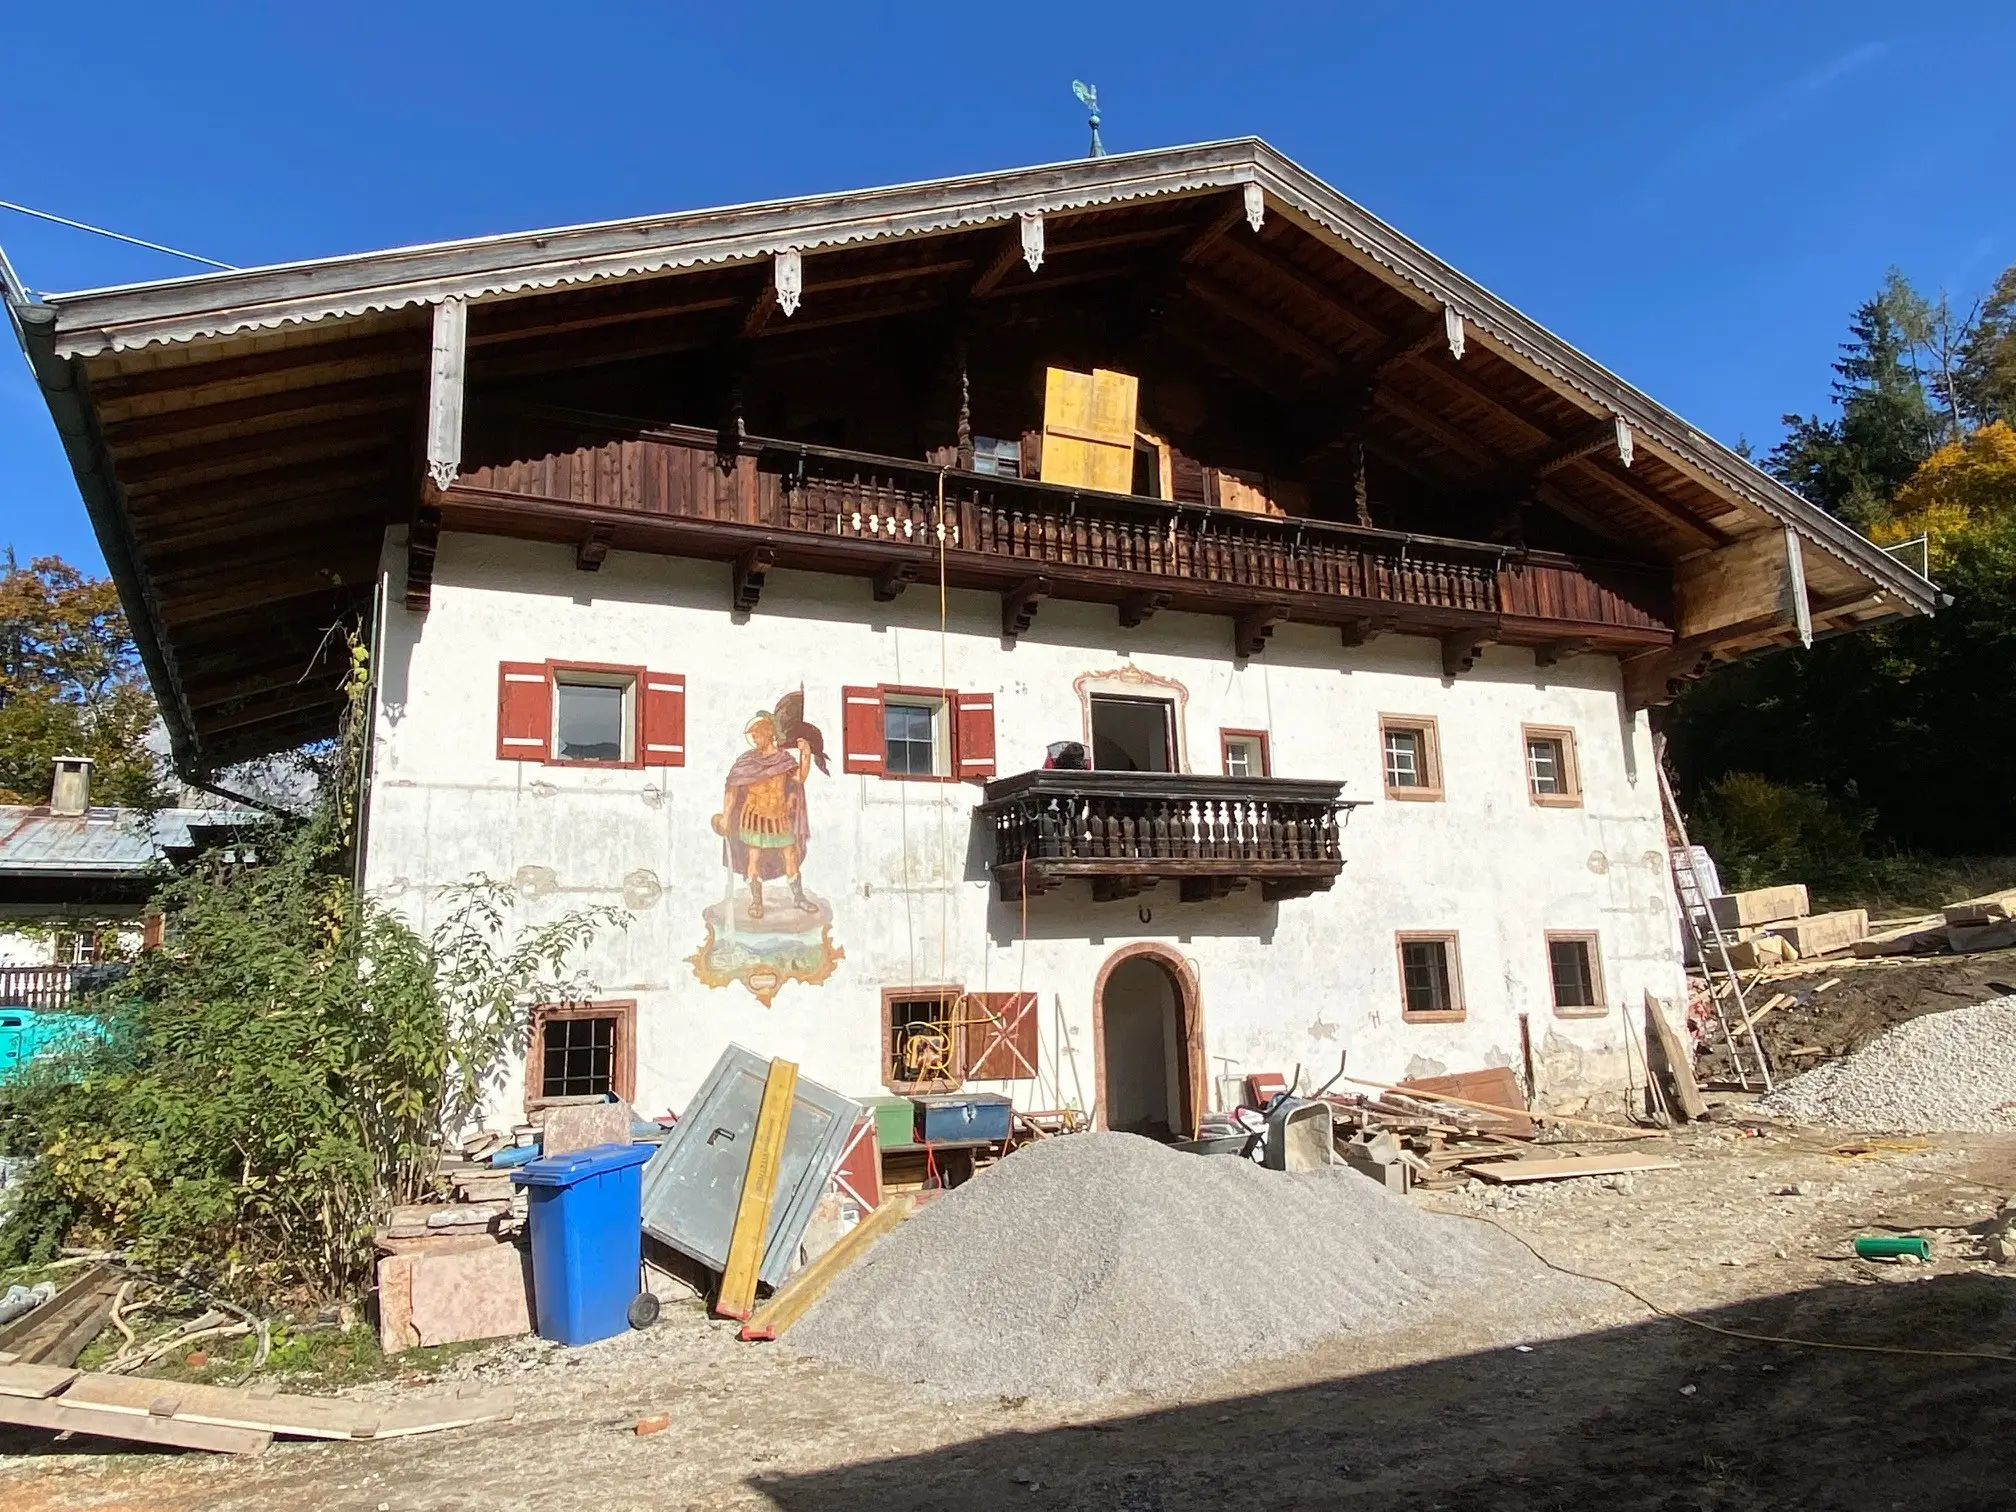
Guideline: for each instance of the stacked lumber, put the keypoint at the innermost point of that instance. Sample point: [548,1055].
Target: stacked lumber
[1770,926]
[1984,923]
[222,1419]
[60,1329]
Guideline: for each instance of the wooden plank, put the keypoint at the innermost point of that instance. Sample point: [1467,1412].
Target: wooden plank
[34,1380]
[41,1337]
[141,1428]
[1679,1065]
[759,1188]
[227,1407]
[795,1297]
[432,1414]
[1514,1172]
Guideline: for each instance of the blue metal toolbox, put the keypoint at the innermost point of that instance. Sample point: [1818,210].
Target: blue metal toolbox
[947,1116]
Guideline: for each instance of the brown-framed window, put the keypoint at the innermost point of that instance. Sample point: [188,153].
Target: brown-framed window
[1132,734]
[1410,754]
[1431,976]
[923,1043]
[1575,969]
[590,714]
[582,1050]
[1243,753]
[1553,776]
[917,734]
[934,1038]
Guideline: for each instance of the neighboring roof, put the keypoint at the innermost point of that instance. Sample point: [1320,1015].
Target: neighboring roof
[150,329]
[104,855]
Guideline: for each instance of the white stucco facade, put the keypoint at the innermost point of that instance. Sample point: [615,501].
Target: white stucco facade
[903,864]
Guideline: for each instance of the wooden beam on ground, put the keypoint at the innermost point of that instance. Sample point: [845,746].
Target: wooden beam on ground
[58,1417]
[795,1297]
[737,1298]
[1679,1066]
[1567,1167]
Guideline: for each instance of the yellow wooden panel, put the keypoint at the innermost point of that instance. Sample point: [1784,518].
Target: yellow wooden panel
[1114,396]
[1088,429]
[759,1189]
[1067,402]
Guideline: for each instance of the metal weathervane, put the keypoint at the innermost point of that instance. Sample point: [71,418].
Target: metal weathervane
[1088,96]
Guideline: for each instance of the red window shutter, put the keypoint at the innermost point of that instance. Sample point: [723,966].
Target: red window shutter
[664,723]
[524,712]
[1000,1036]
[974,739]
[861,730]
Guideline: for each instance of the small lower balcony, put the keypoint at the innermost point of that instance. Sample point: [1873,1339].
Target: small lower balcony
[1127,832]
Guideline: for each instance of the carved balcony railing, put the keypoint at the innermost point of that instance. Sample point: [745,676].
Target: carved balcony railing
[762,504]
[1126,832]
[44,987]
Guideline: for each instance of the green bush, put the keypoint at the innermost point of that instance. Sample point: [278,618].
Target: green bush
[1762,833]
[281,1071]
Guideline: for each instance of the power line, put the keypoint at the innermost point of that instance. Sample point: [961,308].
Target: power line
[77,225]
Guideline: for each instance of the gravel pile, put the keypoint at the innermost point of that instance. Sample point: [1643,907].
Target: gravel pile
[1105,1263]
[1954,1070]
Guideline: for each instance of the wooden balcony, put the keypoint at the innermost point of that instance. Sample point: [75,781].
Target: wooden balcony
[42,987]
[1126,832]
[763,504]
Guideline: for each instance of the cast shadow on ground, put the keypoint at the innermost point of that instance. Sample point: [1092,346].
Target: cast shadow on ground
[1599,1421]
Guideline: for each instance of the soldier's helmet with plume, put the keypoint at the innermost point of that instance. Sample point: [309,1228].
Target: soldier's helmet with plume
[792,727]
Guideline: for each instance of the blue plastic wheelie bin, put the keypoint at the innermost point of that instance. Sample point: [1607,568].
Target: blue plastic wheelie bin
[587,1239]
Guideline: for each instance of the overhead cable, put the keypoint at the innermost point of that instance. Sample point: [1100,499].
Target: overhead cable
[77,225]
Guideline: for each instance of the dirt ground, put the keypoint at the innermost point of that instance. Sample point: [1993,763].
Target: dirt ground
[1632,1411]
[1867,998]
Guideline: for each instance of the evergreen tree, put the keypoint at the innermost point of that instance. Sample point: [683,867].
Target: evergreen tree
[1851,464]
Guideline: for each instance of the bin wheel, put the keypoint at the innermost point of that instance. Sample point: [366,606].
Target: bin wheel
[643,1310]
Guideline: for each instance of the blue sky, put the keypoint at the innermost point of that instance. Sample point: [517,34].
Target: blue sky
[1695,194]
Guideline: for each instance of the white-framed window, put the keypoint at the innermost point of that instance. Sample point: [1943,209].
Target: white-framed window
[1244,753]
[1411,755]
[1133,734]
[913,736]
[594,716]
[1552,777]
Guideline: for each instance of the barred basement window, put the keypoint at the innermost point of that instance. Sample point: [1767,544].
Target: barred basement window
[582,1050]
[922,1044]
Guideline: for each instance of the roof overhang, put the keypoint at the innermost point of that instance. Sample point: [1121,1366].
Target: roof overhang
[67,332]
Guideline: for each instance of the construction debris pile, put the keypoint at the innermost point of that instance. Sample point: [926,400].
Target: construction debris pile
[1105,1263]
[1954,1070]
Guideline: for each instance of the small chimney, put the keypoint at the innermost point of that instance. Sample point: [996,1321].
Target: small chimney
[71,792]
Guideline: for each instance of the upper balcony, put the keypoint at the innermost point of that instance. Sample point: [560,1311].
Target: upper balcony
[1126,832]
[599,484]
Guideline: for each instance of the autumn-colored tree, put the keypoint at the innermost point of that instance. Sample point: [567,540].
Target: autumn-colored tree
[70,684]
[1963,488]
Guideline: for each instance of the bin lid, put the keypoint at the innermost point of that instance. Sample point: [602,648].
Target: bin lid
[579,1165]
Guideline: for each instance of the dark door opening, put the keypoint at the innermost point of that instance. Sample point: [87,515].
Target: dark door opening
[1132,735]
[1145,1051]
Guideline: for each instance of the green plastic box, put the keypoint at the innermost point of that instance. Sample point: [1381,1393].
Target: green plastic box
[895,1120]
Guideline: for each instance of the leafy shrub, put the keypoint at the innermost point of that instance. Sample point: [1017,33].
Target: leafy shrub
[1762,832]
[282,1070]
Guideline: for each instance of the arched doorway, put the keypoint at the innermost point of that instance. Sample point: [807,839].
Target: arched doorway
[1148,1035]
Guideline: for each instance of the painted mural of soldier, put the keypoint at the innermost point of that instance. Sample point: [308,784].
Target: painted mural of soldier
[763,823]
[765,827]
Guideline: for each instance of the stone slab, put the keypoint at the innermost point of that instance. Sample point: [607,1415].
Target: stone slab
[478,1294]
[1761,905]
[579,1126]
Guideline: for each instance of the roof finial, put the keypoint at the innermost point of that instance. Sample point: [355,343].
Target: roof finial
[1088,96]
